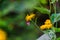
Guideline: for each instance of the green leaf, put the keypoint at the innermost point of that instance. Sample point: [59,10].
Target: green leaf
[58,38]
[57,29]
[43,1]
[55,19]
[43,10]
[52,18]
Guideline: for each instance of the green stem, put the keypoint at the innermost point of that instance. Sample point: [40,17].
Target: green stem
[36,20]
[37,26]
[50,12]
[55,13]
[50,8]
[54,5]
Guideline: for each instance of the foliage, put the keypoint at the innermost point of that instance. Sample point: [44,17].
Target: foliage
[13,14]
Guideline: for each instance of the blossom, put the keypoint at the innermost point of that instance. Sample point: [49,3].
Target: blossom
[29,17]
[32,15]
[43,27]
[47,25]
[2,35]
[47,22]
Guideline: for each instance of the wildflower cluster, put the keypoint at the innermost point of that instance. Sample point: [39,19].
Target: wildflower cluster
[47,25]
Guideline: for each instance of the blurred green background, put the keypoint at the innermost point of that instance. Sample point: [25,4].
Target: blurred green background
[12,18]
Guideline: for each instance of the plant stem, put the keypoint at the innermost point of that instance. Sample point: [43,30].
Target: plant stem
[50,8]
[54,5]
[50,12]
[37,26]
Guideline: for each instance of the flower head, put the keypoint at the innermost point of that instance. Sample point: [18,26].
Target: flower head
[32,15]
[2,35]
[29,17]
[47,25]
[43,27]
[47,22]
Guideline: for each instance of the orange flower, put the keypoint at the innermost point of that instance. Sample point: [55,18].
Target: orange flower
[2,35]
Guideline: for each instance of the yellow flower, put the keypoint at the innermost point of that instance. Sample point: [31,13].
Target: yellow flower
[43,27]
[32,15]
[47,22]
[2,35]
[29,17]
[49,26]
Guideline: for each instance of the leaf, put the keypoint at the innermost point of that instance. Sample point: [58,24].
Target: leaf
[43,10]
[55,19]
[57,29]
[52,18]
[43,1]
[58,38]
